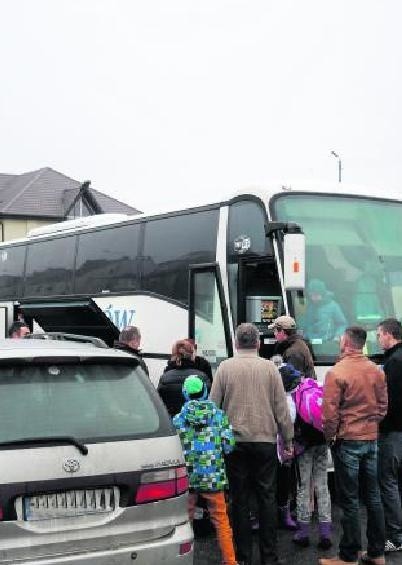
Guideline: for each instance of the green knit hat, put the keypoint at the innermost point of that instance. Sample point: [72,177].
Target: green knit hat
[193,385]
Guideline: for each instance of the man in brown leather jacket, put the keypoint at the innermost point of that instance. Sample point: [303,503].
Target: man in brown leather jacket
[355,401]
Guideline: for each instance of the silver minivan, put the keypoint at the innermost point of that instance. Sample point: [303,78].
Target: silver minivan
[91,469]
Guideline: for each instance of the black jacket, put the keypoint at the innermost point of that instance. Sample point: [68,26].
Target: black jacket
[171,382]
[203,365]
[295,350]
[134,352]
[199,363]
[393,373]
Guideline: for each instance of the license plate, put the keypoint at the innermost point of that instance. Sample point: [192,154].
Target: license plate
[70,503]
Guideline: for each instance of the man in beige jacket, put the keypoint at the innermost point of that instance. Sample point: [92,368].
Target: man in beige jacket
[250,390]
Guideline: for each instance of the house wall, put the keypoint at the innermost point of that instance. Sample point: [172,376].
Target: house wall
[15,229]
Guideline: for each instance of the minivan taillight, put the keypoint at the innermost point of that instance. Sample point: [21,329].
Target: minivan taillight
[159,485]
[181,480]
[185,547]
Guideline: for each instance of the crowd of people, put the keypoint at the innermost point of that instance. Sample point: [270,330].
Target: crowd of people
[244,432]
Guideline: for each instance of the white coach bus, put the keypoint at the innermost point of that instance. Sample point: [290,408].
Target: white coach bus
[199,272]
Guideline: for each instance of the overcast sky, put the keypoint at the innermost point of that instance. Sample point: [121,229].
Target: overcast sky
[162,103]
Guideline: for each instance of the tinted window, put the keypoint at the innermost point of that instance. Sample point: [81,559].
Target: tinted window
[171,245]
[107,260]
[88,402]
[247,220]
[11,269]
[353,265]
[49,270]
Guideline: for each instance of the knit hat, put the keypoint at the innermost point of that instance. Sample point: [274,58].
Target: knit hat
[194,386]
[317,286]
[290,376]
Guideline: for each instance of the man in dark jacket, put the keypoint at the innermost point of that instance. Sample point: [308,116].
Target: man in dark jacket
[129,341]
[389,334]
[292,347]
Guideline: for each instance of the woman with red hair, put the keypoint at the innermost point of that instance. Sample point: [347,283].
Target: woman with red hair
[181,365]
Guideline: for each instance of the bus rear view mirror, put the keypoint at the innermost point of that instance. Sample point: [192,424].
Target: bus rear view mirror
[294,261]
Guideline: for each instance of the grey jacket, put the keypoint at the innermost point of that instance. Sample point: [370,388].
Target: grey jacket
[250,390]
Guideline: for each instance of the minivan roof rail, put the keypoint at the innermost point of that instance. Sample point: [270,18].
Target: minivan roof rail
[60,336]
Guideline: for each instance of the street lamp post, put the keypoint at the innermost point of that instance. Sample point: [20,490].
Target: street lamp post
[339,165]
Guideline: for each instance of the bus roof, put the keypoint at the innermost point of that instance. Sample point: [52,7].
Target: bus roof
[263,193]
[331,188]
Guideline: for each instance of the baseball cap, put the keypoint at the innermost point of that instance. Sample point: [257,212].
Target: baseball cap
[283,323]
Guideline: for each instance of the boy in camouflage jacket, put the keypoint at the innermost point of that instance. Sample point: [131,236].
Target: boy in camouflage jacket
[207,436]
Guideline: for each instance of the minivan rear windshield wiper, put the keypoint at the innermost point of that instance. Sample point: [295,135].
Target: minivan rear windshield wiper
[47,440]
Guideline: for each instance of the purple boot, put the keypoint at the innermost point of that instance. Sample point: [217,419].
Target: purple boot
[285,518]
[301,537]
[324,529]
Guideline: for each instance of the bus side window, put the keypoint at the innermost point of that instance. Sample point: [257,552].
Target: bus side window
[367,303]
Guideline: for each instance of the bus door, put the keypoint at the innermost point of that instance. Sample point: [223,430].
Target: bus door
[260,298]
[208,317]
[7,316]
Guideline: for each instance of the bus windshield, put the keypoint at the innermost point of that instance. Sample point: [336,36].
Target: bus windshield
[353,265]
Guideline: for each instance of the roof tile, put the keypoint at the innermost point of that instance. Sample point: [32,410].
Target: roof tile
[48,193]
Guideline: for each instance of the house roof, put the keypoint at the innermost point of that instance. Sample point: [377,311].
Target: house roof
[48,193]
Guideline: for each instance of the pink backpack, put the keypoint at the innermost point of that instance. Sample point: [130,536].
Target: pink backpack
[308,400]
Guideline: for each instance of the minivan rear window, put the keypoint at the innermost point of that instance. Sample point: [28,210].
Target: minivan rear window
[90,402]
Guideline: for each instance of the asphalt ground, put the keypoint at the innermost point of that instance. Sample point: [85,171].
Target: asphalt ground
[206,550]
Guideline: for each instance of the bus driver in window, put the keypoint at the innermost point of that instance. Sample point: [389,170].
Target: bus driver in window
[324,318]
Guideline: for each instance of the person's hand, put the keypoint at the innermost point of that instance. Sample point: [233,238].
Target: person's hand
[288,451]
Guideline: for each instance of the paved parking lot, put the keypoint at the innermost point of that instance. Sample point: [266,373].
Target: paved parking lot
[207,551]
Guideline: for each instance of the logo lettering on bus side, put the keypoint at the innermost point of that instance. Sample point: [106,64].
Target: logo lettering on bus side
[120,317]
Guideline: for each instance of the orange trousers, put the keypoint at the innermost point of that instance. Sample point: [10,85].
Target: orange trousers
[216,505]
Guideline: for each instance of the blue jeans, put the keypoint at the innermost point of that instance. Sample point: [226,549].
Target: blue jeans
[354,460]
[389,463]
